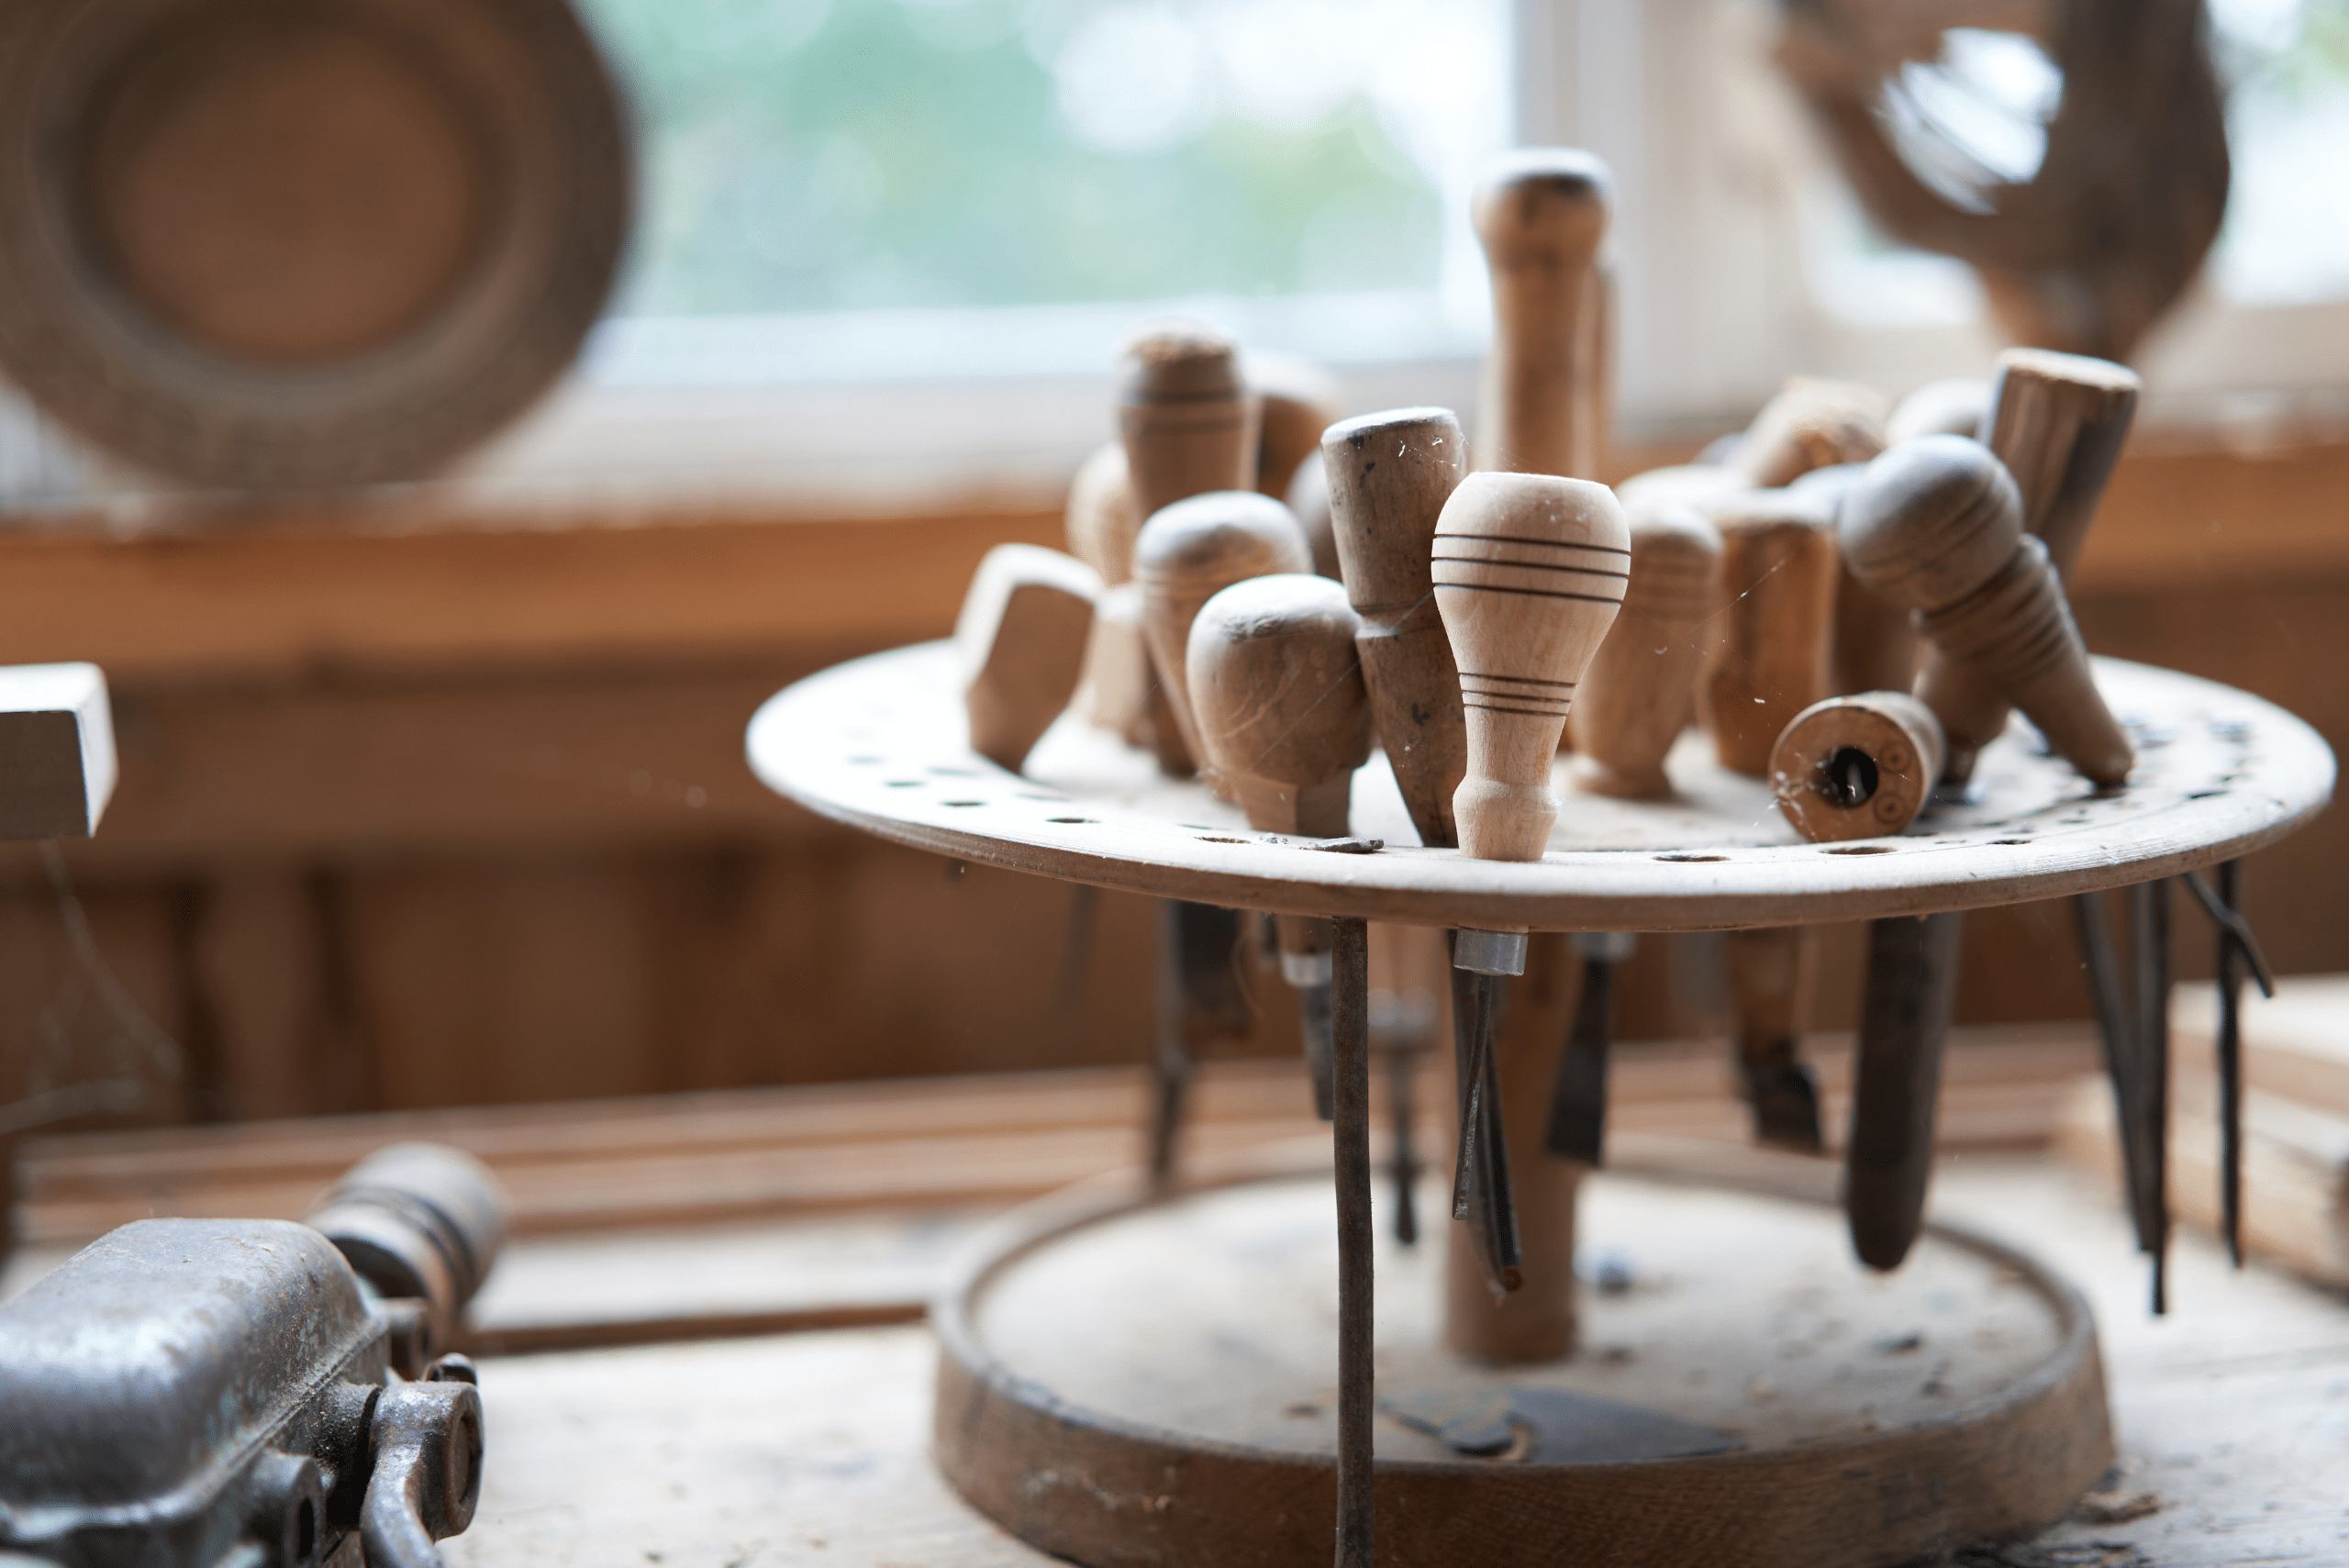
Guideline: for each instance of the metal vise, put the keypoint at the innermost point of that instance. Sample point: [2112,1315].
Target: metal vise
[251,1393]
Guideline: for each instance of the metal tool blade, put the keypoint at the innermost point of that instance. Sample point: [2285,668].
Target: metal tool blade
[1577,1125]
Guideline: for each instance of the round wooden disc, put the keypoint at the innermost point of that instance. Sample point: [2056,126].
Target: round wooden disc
[881,743]
[262,243]
[1127,1382]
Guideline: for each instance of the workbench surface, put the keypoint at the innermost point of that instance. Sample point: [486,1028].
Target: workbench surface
[2233,1418]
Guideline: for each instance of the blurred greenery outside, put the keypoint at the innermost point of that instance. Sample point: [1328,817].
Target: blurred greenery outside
[800,156]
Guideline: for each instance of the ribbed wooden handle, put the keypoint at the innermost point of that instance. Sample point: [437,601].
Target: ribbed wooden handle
[1634,698]
[1188,421]
[1279,696]
[1937,524]
[1390,475]
[1542,215]
[1529,571]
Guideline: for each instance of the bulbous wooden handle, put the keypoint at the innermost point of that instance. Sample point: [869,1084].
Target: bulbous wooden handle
[1188,553]
[1634,699]
[1390,475]
[1541,214]
[1279,696]
[1858,767]
[1529,571]
[1023,635]
[1937,524]
[1810,424]
[2057,421]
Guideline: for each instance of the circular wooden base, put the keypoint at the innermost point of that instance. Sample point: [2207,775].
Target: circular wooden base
[1128,1382]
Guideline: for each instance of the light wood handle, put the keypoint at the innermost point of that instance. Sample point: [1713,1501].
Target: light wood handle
[1388,477]
[1776,615]
[1115,691]
[1101,518]
[1937,524]
[1542,215]
[1953,408]
[1188,421]
[1530,570]
[1634,699]
[1188,553]
[1858,767]
[1278,695]
[2057,421]
[1297,401]
[1023,635]
[1810,424]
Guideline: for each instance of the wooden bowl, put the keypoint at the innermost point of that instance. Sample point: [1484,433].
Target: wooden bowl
[270,244]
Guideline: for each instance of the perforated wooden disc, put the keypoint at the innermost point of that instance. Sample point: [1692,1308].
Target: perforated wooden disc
[262,243]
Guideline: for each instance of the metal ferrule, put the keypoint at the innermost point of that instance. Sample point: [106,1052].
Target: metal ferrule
[1489,952]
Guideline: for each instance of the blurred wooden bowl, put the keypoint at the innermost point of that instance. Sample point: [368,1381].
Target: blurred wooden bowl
[270,244]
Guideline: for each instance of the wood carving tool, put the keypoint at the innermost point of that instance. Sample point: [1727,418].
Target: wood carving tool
[1187,553]
[1298,400]
[1812,423]
[1937,524]
[1577,1127]
[1114,692]
[1951,407]
[1190,426]
[1634,699]
[2149,929]
[2057,421]
[1530,570]
[1022,639]
[1768,663]
[1388,476]
[1200,1000]
[2238,951]
[1402,1025]
[1904,1023]
[1308,501]
[1860,767]
[1875,646]
[1776,608]
[1277,692]
[1101,517]
[1349,1141]
[1542,215]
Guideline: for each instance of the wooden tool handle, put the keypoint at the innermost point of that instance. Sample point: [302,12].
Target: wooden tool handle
[1769,974]
[1188,553]
[1634,699]
[1529,571]
[1100,518]
[2057,421]
[1937,524]
[1279,700]
[1388,476]
[1776,614]
[1858,767]
[1188,421]
[1810,424]
[1297,401]
[1895,1081]
[1953,408]
[1541,214]
[1022,637]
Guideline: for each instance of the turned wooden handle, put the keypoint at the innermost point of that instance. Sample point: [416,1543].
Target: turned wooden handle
[1188,553]
[1775,614]
[1953,408]
[1388,477]
[1858,767]
[1115,692]
[1810,424]
[1101,518]
[1021,637]
[1188,421]
[1278,695]
[2057,421]
[1634,698]
[1937,524]
[1297,400]
[1529,571]
[1541,214]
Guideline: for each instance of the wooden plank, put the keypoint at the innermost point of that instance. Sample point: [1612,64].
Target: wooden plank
[828,1148]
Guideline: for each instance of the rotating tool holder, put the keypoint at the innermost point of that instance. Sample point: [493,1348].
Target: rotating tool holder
[255,1393]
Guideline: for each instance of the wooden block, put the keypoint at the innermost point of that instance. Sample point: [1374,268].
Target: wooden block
[57,759]
[1022,639]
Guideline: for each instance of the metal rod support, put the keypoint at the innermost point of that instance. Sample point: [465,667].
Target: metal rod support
[1350,1060]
